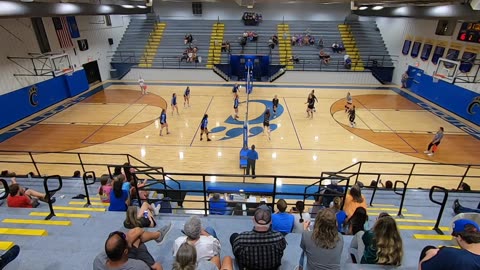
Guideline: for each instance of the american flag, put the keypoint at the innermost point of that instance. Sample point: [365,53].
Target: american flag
[63,34]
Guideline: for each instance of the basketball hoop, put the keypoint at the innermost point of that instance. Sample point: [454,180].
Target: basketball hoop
[437,76]
[68,71]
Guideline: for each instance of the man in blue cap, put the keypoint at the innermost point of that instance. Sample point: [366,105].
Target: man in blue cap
[467,234]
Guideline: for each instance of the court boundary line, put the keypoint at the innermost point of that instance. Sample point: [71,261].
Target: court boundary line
[198,127]
[293,124]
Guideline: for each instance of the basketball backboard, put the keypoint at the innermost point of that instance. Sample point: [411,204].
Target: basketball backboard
[60,64]
[446,70]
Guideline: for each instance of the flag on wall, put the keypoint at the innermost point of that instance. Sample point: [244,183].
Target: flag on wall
[63,34]
[73,27]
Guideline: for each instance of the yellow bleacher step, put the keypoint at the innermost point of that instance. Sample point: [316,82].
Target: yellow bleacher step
[419,228]
[23,232]
[432,237]
[67,215]
[393,214]
[38,222]
[360,69]
[69,208]
[92,203]
[383,205]
[6,245]
[385,209]
[415,220]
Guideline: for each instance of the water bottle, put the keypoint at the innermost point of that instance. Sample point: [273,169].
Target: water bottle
[145,214]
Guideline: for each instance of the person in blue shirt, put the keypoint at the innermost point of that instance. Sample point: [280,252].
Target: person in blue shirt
[236,102]
[186,97]
[219,206]
[281,221]
[467,234]
[204,127]
[252,157]
[174,103]
[163,121]
[119,198]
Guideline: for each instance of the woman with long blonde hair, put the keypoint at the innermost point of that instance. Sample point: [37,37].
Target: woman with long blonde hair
[383,243]
[324,245]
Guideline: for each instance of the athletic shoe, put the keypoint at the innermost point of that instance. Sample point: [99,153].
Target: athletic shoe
[156,209]
[9,256]
[201,139]
[456,205]
[426,152]
[208,140]
[430,154]
[163,232]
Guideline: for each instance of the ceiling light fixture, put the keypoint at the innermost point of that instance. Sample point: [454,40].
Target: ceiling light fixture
[362,8]
[377,8]
[127,6]
[141,6]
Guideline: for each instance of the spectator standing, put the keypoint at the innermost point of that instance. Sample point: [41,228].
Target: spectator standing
[252,157]
[281,221]
[339,213]
[467,234]
[353,200]
[261,248]
[357,221]
[324,245]
[383,243]
[435,142]
[206,245]
[300,217]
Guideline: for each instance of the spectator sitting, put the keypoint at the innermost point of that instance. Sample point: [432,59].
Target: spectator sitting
[282,221]
[76,174]
[294,40]
[294,59]
[458,208]
[357,221]
[117,171]
[341,47]
[332,190]
[218,205]
[128,251]
[383,243]
[263,205]
[357,247]
[271,45]
[467,234]
[353,200]
[339,213]
[261,248]
[186,258]
[335,47]
[226,46]
[347,61]
[141,217]
[119,199]
[20,197]
[325,57]
[206,243]
[317,206]
[188,39]
[311,40]
[300,217]
[275,39]
[320,43]
[465,187]
[243,41]
[324,245]
[105,189]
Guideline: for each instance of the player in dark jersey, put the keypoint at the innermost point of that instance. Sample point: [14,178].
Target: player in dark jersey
[314,98]
[351,116]
[236,102]
[310,106]
[174,103]
[235,89]
[275,105]
[266,122]
[186,97]
[163,122]
[203,127]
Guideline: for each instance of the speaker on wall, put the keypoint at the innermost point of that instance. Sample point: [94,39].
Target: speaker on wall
[445,27]
[197,8]
[110,41]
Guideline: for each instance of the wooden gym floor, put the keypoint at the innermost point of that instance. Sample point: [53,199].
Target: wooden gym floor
[120,120]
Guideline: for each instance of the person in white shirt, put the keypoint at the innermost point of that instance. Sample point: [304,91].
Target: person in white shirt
[300,217]
[143,86]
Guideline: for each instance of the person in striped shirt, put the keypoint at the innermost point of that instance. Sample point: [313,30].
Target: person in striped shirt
[204,128]
[163,122]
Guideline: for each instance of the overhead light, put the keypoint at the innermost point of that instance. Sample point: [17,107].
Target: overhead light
[127,6]
[362,8]
[141,6]
[377,8]
[27,1]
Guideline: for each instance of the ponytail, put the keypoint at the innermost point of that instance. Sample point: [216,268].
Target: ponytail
[300,208]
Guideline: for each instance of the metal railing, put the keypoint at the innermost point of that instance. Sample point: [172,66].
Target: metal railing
[49,191]
[442,205]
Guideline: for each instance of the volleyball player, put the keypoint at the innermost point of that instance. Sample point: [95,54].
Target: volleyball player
[349,102]
[310,106]
[163,121]
[314,98]
[351,116]
[143,86]
[174,103]
[235,89]
[275,105]
[203,127]
[266,122]
[186,97]
[236,102]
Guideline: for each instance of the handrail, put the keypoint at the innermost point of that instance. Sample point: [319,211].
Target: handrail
[5,188]
[442,205]
[403,193]
[86,176]
[51,191]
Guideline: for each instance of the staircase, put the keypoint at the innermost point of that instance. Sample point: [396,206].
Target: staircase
[351,47]
[284,46]
[216,39]
[146,61]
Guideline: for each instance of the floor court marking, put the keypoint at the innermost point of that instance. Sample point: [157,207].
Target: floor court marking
[293,124]
[198,127]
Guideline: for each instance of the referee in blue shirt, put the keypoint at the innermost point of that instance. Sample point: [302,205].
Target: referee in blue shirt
[252,157]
